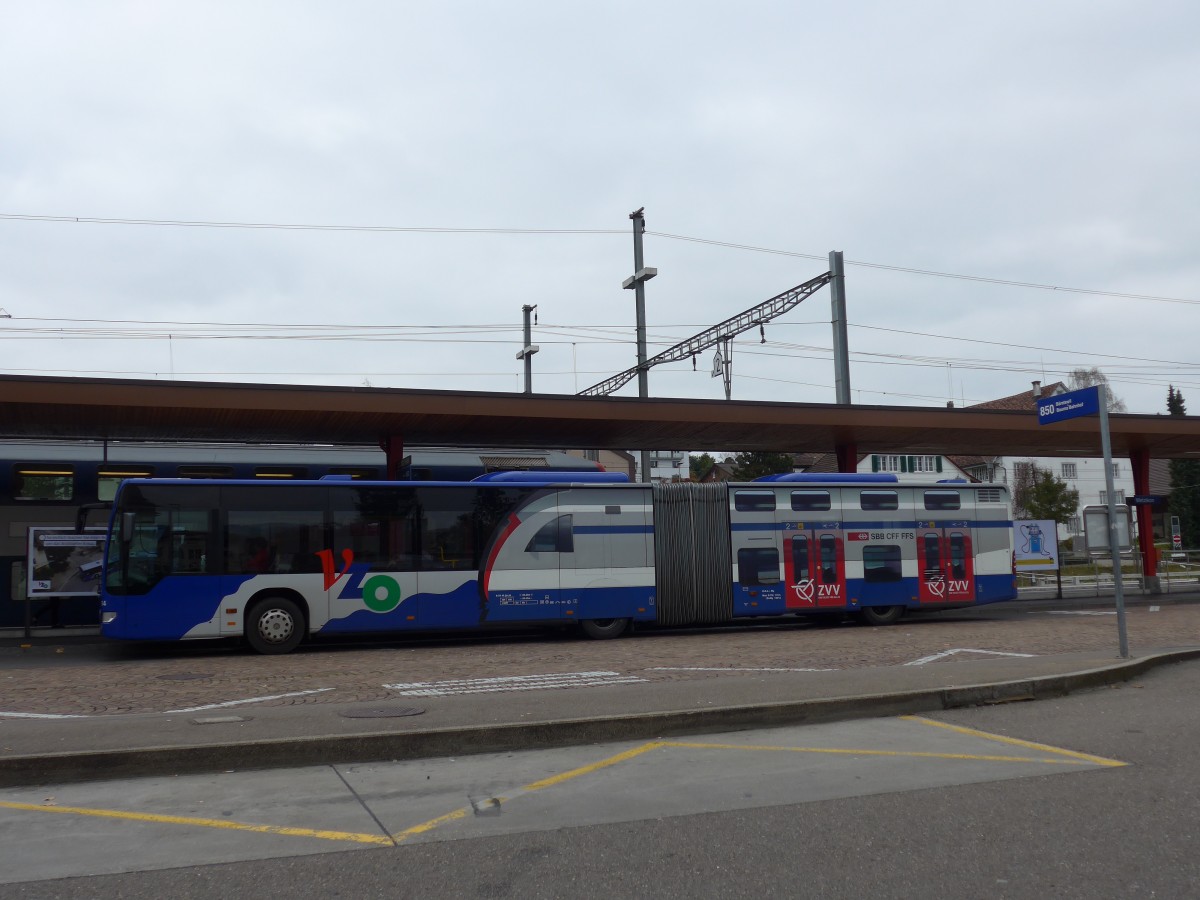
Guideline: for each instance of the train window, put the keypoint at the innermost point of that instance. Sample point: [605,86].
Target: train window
[108,478]
[205,471]
[958,555]
[879,500]
[358,473]
[808,500]
[754,501]
[34,482]
[828,544]
[556,536]
[280,472]
[758,566]
[943,500]
[881,562]
[800,557]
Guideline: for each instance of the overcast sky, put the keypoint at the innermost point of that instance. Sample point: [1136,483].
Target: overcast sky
[462,160]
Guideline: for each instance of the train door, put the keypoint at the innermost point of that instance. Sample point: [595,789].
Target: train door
[758,588]
[815,567]
[945,565]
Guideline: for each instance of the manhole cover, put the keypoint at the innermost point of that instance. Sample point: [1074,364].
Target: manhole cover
[184,676]
[383,712]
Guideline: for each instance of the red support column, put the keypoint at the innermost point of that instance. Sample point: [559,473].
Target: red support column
[1140,462]
[847,457]
[393,446]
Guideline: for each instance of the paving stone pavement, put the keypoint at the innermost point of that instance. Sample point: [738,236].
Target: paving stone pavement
[90,678]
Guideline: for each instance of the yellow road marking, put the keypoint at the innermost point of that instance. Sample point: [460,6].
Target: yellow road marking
[596,766]
[850,751]
[206,823]
[529,789]
[434,823]
[1017,742]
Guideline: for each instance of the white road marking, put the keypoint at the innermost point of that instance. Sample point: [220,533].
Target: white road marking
[17,715]
[247,700]
[510,683]
[945,653]
[728,669]
[1080,612]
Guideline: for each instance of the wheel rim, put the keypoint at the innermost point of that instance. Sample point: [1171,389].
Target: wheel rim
[275,626]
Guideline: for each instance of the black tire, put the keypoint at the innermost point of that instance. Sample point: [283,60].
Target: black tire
[881,615]
[275,625]
[603,629]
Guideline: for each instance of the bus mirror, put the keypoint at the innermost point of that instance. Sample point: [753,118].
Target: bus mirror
[127,527]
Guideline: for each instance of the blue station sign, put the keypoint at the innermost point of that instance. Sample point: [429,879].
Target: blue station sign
[1083,402]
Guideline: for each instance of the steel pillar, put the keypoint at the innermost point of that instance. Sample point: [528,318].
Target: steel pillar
[393,447]
[847,457]
[1139,461]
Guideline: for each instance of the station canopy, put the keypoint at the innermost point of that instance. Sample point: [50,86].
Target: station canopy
[95,409]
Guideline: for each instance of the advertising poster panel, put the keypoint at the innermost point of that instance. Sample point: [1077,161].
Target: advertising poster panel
[1036,545]
[63,562]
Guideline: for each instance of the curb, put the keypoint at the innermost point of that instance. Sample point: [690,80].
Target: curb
[80,766]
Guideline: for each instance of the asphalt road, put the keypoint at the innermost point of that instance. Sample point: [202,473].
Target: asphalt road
[878,808]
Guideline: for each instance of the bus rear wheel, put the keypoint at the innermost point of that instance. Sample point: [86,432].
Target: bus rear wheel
[601,629]
[881,615]
[274,625]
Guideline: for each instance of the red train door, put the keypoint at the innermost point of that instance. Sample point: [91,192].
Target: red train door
[815,569]
[946,569]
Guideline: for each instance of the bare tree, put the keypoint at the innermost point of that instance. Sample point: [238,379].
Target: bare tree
[1082,378]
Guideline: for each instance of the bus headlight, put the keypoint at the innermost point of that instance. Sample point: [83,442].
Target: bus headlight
[108,618]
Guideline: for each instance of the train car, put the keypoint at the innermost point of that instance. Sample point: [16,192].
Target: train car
[276,563]
[43,484]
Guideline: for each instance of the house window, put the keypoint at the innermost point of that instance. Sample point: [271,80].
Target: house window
[892,462]
[1120,495]
[1116,470]
[1069,471]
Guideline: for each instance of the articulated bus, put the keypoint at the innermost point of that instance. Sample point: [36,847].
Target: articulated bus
[43,483]
[276,563]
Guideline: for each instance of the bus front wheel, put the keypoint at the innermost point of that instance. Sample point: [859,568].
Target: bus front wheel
[881,615]
[274,625]
[604,628]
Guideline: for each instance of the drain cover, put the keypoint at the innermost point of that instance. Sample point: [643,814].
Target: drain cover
[383,712]
[183,676]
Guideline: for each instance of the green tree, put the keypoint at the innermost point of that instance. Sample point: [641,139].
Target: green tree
[700,466]
[1185,482]
[748,466]
[1039,494]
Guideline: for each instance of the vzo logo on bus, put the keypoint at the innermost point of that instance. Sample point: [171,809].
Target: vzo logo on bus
[380,593]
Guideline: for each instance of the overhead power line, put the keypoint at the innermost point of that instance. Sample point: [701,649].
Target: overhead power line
[434,229]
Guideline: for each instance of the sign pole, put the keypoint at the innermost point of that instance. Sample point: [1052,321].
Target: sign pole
[1084,402]
[1114,544]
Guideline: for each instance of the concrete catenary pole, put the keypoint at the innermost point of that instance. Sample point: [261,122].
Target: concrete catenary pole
[841,349]
[637,281]
[528,349]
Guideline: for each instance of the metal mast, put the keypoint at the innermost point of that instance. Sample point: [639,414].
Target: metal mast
[726,330]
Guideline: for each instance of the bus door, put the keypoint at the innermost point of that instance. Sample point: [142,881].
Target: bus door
[946,569]
[815,566]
